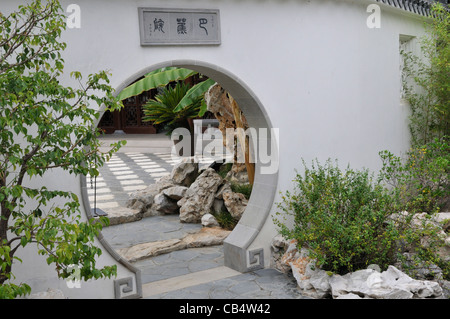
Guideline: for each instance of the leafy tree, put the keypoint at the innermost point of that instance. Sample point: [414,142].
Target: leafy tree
[46,126]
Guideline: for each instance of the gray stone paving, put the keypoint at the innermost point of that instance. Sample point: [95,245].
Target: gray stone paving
[180,263]
[126,173]
[146,230]
[260,284]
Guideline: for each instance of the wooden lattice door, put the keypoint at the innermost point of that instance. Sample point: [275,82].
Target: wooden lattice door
[129,119]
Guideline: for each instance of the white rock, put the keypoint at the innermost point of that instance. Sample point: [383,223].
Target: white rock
[361,284]
[164,204]
[225,188]
[235,204]
[185,172]
[349,296]
[175,192]
[200,196]
[209,220]
[142,200]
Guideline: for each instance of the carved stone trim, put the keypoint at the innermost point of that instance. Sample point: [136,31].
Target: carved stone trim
[256,259]
[123,287]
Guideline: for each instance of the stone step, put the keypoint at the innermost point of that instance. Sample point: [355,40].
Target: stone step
[188,280]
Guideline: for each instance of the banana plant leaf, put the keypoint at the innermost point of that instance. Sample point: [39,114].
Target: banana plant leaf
[196,91]
[157,78]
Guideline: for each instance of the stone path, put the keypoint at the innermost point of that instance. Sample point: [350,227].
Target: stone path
[190,273]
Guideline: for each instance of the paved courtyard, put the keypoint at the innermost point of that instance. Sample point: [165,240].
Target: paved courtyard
[192,273]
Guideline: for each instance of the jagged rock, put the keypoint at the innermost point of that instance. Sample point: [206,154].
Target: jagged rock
[209,220]
[175,192]
[390,284]
[218,102]
[164,205]
[121,215]
[435,222]
[225,188]
[185,172]
[143,200]
[420,269]
[235,204]
[207,236]
[238,173]
[279,243]
[199,198]
[145,250]
[366,283]
[445,285]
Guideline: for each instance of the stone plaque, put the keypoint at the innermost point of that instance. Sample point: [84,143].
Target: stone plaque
[179,26]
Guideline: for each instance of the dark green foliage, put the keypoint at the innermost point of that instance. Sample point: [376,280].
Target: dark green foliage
[224,169]
[422,179]
[244,189]
[341,217]
[161,109]
[225,220]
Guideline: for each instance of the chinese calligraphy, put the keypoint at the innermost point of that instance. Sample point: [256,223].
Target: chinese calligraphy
[201,23]
[159,24]
[181,26]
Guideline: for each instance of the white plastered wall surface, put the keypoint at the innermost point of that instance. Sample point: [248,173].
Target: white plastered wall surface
[328,82]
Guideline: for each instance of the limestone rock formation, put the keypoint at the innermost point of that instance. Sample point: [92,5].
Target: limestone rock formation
[218,103]
[143,200]
[235,204]
[164,205]
[209,220]
[185,172]
[175,192]
[200,196]
[362,284]
[207,236]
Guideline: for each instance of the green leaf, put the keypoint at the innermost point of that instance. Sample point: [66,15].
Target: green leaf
[196,91]
[203,108]
[154,80]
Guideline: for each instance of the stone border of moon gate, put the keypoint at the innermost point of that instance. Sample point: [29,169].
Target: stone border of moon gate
[238,253]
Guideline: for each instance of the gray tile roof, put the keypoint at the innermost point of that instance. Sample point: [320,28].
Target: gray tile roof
[421,7]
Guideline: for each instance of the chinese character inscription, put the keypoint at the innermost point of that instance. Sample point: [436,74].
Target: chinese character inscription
[179,26]
[201,23]
[159,25]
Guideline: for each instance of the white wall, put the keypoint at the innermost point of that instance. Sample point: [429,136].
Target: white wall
[327,81]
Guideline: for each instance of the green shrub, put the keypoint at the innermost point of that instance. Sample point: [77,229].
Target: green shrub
[225,220]
[244,189]
[422,180]
[224,169]
[341,217]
